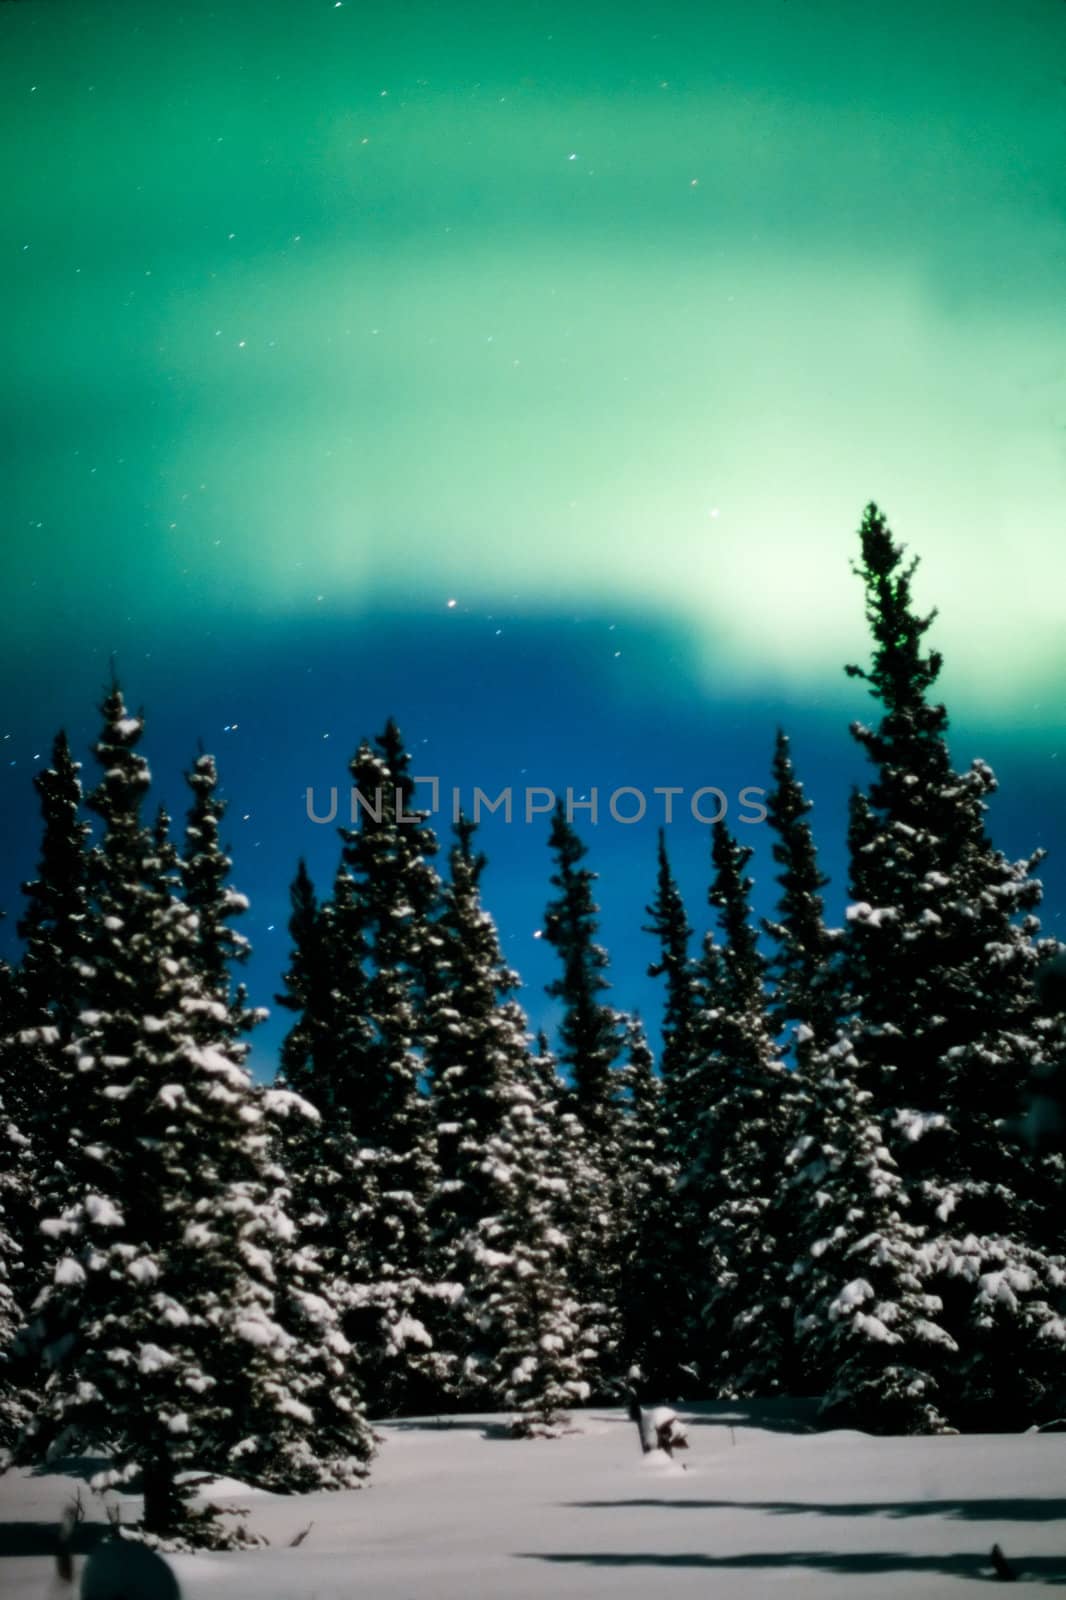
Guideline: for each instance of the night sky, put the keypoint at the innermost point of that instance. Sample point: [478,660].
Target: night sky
[525,377]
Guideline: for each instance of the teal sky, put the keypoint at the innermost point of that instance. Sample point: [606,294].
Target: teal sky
[320,309]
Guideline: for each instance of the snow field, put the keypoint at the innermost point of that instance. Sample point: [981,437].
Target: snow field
[459,1511]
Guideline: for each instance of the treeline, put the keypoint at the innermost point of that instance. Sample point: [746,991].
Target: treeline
[818,1188]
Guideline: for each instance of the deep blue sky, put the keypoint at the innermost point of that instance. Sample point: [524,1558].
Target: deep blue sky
[544,702]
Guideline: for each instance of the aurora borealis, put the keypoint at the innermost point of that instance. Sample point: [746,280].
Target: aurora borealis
[602,322]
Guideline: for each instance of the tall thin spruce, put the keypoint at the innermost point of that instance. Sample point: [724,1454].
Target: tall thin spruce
[941,1032]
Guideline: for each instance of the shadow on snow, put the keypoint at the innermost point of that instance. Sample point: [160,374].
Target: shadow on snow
[1032,1509]
[42,1538]
[1038,1569]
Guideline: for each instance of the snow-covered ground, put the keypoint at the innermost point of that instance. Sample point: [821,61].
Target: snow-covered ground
[459,1511]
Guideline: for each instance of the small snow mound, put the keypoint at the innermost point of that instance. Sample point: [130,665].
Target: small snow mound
[662,1465]
[213,1487]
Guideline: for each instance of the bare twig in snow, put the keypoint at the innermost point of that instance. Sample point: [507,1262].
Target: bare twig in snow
[74,1514]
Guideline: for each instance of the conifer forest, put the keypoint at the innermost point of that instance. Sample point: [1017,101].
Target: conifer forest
[840,1176]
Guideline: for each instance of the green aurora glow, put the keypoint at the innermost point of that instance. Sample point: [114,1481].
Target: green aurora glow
[320,306]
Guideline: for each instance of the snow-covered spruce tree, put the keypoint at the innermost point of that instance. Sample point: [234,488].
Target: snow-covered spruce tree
[19,1099]
[511,1334]
[591,1033]
[387,919]
[321,1059]
[592,1039]
[654,1328]
[16,1206]
[54,923]
[115,1380]
[668,922]
[205,868]
[331,1177]
[799,968]
[472,1043]
[804,1013]
[939,962]
[43,1092]
[743,1139]
[868,1335]
[477,1049]
[324,1054]
[15,1399]
[296,1421]
[39,1088]
[543,1356]
[319,1437]
[1041,1129]
[167,1267]
[683,1084]
[308,987]
[1043,1125]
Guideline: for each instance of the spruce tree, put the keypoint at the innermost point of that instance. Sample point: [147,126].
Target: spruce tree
[804,1013]
[321,1438]
[39,1089]
[323,1055]
[205,868]
[16,1208]
[668,922]
[307,988]
[333,1191]
[511,1331]
[475,1037]
[15,1402]
[867,1320]
[54,924]
[163,1325]
[477,1048]
[591,1036]
[302,1427]
[529,1351]
[590,1032]
[389,857]
[103,1318]
[678,1222]
[42,1092]
[320,1059]
[799,968]
[380,934]
[743,1138]
[938,965]
[532,1323]
[654,1325]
